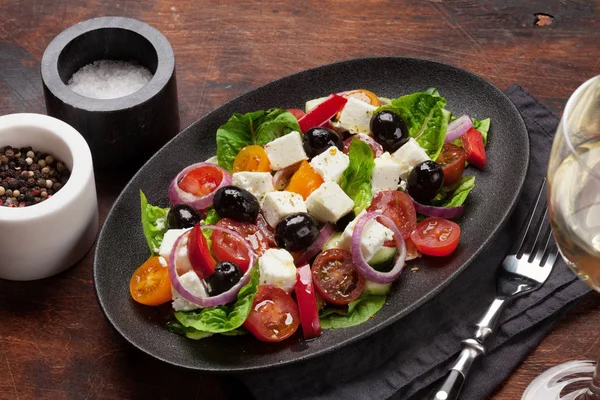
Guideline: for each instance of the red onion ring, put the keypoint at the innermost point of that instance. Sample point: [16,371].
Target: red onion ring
[441,212]
[178,196]
[375,147]
[327,231]
[457,128]
[220,299]
[359,260]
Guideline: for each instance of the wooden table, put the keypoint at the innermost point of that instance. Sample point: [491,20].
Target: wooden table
[54,340]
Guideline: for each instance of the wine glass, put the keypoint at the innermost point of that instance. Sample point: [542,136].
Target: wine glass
[574,210]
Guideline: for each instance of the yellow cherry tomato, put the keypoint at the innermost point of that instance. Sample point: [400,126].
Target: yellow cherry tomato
[304,181]
[252,158]
[150,283]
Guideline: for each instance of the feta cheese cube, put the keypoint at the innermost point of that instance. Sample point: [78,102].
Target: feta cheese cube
[330,164]
[285,151]
[386,174]
[409,156]
[374,235]
[277,268]
[278,205]
[257,183]
[329,203]
[168,241]
[192,284]
[356,116]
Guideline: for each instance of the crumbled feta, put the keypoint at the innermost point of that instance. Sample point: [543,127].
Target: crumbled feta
[330,164]
[257,183]
[277,268]
[356,116]
[192,284]
[409,156]
[374,235]
[329,203]
[278,205]
[285,151]
[386,174]
[169,239]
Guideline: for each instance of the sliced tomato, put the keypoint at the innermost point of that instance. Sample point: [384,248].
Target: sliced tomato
[266,229]
[336,278]
[436,236]
[228,248]
[472,142]
[252,158]
[274,315]
[296,112]
[201,181]
[452,160]
[199,254]
[322,112]
[305,180]
[399,207]
[307,303]
[150,283]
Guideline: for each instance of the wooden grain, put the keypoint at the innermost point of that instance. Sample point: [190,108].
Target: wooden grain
[54,341]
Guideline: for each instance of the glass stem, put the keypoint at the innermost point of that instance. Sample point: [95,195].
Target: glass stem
[593,392]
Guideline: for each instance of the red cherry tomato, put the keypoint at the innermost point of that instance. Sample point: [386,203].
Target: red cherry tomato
[274,315]
[266,229]
[399,207]
[201,181]
[228,248]
[436,236]
[199,254]
[472,142]
[452,160]
[307,303]
[336,278]
[296,112]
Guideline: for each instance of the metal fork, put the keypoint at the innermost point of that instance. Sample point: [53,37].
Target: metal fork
[524,269]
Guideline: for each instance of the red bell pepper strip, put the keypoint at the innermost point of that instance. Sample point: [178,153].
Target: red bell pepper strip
[472,142]
[322,113]
[199,254]
[307,303]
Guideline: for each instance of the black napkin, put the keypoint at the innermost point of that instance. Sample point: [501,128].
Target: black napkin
[405,360]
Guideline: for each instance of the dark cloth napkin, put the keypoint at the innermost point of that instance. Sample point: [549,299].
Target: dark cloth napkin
[405,360]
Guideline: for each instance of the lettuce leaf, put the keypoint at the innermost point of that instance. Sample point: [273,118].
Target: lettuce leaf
[258,127]
[210,218]
[482,126]
[356,180]
[358,312]
[426,118]
[154,223]
[222,319]
[457,195]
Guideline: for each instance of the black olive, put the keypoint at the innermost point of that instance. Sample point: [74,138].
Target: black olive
[182,216]
[317,140]
[225,276]
[344,221]
[236,203]
[389,130]
[296,232]
[425,181]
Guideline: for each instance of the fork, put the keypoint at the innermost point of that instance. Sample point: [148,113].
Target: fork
[524,270]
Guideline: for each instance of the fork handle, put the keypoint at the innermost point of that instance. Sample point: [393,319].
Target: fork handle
[471,350]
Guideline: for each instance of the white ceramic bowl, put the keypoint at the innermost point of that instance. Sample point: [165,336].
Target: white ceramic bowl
[44,239]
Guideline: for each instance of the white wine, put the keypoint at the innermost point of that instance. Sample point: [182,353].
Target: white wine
[574,193]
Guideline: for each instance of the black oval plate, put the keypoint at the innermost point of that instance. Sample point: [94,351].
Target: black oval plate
[121,245]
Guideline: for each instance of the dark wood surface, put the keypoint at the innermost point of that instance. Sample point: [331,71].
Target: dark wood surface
[54,340]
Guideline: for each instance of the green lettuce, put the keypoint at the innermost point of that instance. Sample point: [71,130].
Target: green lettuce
[154,223]
[359,311]
[226,319]
[356,180]
[456,195]
[210,218]
[426,118]
[483,127]
[258,127]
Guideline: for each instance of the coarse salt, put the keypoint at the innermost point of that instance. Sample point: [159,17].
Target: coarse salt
[109,79]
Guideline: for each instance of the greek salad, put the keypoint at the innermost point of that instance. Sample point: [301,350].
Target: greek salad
[305,218]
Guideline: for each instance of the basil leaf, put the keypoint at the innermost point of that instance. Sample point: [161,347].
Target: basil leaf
[356,180]
[358,312]
[483,127]
[225,318]
[258,127]
[154,223]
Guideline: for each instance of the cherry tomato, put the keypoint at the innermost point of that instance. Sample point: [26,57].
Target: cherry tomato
[472,142]
[336,278]
[202,261]
[252,158]
[365,95]
[307,303]
[150,284]
[274,315]
[201,181]
[399,207]
[452,160]
[304,181]
[296,112]
[436,236]
[266,229]
[228,248]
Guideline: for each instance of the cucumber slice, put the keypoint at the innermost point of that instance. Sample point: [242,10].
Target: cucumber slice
[313,103]
[333,242]
[383,260]
[377,288]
